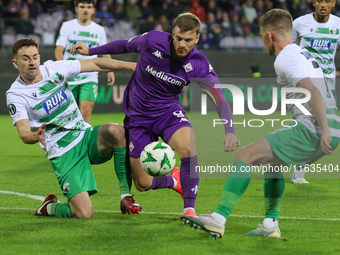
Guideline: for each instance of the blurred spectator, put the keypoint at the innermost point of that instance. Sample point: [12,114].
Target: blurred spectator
[249,11]
[133,12]
[216,37]
[236,28]
[211,22]
[197,9]
[259,6]
[205,38]
[164,10]
[48,6]
[120,10]
[176,8]
[254,70]
[225,24]
[147,24]
[236,7]
[110,6]
[245,26]
[103,14]
[34,8]
[212,7]
[24,25]
[146,9]
[11,10]
[164,23]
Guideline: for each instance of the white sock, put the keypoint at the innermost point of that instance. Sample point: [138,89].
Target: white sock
[48,209]
[187,208]
[123,196]
[175,182]
[270,223]
[219,218]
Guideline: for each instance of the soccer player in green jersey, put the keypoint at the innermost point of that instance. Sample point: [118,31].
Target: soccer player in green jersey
[318,33]
[44,110]
[315,131]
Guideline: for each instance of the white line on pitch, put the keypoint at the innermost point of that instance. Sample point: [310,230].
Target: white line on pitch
[174,213]
[41,198]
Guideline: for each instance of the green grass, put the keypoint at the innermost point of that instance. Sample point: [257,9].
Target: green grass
[306,212]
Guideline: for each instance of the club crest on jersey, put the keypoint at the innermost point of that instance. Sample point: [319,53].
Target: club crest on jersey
[57,78]
[321,44]
[131,146]
[332,31]
[55,102]
[188,67]
[66,187]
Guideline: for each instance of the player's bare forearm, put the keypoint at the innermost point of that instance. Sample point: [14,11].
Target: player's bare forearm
[29,137]
[104,64]
[59,52]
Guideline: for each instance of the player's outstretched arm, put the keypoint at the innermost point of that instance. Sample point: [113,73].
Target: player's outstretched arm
[104,64]
[81,48]
[319,110]
[29,137]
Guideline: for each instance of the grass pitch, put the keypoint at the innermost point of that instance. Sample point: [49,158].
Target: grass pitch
[310,214]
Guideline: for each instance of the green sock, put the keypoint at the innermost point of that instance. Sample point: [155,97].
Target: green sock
[273,190]
[123,171]
[237,182]
[61,210]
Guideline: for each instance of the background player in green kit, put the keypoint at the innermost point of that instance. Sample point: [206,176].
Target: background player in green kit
[82,29]
[44,110]
[318,32]
[313,134]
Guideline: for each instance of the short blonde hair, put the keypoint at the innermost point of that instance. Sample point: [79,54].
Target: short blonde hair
[187,22]
[277,20]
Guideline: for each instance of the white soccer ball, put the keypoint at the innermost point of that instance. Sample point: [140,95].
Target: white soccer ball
[157,159]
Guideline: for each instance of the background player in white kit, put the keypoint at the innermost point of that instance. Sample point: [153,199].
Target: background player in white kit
[313,136]
[84,30]
[85,86]
[318,33]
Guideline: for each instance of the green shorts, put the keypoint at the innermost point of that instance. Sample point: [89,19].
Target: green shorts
[297,146]
[85,91]
[73,169]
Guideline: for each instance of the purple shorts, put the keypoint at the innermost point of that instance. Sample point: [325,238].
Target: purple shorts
[142,131]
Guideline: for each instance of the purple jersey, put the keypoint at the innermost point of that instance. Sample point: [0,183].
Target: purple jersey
[159,78]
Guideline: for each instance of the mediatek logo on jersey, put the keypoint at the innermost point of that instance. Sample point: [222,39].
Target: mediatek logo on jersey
[55,102]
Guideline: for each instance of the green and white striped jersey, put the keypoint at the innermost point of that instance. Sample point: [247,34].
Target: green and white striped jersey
[294,64]
[72,32]
[321,40]
[50,101]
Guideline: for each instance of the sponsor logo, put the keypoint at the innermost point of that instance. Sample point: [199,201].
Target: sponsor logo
[321,44]
[195,189]
[179,114]
[210,68]
[55,102]
[170,78]
[157,54]
[12,109]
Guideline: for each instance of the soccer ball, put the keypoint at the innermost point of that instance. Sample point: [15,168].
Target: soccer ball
[157,159]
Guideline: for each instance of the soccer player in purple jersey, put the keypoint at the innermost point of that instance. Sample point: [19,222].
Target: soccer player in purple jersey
[151,104]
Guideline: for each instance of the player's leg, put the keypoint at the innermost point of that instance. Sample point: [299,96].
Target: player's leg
[111,137]
[87,99]
[183,141]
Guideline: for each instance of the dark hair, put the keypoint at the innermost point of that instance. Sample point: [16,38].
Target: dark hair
[93,2]
[277,20]
[187,22]
[24,42]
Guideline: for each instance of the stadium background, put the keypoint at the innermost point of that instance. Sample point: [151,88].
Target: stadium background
[228,36]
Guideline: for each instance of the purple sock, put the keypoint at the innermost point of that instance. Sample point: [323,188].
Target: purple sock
[189,181]
[162,182]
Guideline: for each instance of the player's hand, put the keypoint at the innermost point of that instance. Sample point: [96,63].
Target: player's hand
[325,140]
[110,78]
[81,48]
[230,142]
[41,134]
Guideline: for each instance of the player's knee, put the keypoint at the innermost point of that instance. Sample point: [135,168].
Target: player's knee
[85,213]
[187,151]
[242,155]
[118,133]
